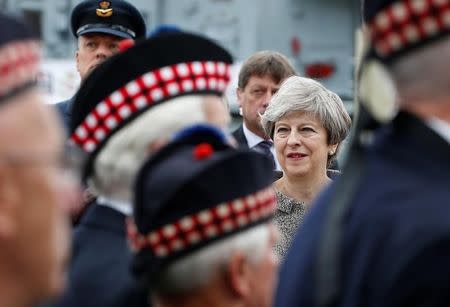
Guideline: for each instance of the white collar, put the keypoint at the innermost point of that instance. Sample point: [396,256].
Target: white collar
[442,128]
[123,207]
[252,138]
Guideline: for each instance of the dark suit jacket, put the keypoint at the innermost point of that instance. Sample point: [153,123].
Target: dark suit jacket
[99,272]
[65,111]
[240,137]
[396,236]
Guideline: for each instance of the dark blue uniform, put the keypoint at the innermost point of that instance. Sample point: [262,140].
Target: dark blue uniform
[396,235]
[100,272]
[239,136]
[65,111]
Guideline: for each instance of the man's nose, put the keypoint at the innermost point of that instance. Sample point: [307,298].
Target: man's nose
[267,98]
[102,52]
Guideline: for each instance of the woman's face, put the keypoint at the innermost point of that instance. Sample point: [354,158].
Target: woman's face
[301,145]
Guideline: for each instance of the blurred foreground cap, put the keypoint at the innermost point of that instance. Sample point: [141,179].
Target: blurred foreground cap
[397,27]
[151,72]
[193,192]
[19,57]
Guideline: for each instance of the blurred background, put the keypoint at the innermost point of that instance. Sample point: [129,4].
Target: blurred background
[319,36]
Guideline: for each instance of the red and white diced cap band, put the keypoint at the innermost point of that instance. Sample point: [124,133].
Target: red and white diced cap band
[19,64]
[406,23]
[207,224]
[146,90]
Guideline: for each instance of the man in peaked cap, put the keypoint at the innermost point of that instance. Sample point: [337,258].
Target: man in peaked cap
[380,236]
[33,188]
[125,111]
[99,26]
[203,236]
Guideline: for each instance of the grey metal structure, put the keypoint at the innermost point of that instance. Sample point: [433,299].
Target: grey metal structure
[308,31]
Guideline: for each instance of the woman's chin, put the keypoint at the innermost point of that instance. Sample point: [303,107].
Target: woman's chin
[296,172]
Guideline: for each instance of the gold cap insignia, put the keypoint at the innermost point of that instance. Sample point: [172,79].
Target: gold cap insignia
[104,9]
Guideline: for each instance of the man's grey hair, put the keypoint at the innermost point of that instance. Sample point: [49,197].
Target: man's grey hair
[117,164]
[304,94]
[423,73]
[197,269]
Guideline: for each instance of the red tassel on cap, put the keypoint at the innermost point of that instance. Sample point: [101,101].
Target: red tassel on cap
[203,151]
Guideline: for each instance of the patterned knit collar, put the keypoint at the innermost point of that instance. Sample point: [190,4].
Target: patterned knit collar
[286,204]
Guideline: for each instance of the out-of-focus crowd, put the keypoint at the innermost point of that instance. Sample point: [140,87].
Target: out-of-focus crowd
[133,192]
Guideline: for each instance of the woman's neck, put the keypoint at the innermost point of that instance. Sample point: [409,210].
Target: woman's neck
[302,189]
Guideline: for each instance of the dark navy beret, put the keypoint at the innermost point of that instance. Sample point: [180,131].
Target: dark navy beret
[151,72]
[193,192]
[115,17]
[19,56]
[163,29]
[397,27]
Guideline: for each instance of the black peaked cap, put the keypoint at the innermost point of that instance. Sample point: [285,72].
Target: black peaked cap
[124,19]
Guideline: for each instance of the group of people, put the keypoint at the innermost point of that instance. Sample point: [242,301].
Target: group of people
[186,213]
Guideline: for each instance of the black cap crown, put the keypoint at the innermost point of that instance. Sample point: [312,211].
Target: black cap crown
[195,191]
[115,17]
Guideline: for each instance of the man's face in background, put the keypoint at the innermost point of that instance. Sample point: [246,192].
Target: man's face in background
[94,48]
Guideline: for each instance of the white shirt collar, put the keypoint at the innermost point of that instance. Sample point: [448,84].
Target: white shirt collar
[122,207]
[253,140]
[441,127]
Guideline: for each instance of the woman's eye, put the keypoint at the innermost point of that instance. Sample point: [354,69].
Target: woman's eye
[308,129]
[281,130]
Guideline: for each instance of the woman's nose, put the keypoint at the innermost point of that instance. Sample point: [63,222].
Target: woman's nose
[294,138]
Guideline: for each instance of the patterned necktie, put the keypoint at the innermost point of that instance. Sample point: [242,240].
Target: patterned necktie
[264,148]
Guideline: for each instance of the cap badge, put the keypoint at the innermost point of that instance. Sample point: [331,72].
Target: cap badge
[104,9]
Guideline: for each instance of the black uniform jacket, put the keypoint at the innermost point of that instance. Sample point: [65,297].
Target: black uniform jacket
[99,272]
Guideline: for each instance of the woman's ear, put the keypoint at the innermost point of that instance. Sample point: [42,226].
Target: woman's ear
[332,149]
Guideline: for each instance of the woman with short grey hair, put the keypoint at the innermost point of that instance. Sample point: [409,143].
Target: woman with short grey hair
[307,123]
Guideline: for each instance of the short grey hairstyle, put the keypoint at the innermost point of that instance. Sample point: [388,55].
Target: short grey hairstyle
[197,269]
[118,162]
[307,95]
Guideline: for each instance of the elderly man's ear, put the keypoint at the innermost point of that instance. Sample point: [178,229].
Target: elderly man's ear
[9,201]
[239,275]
